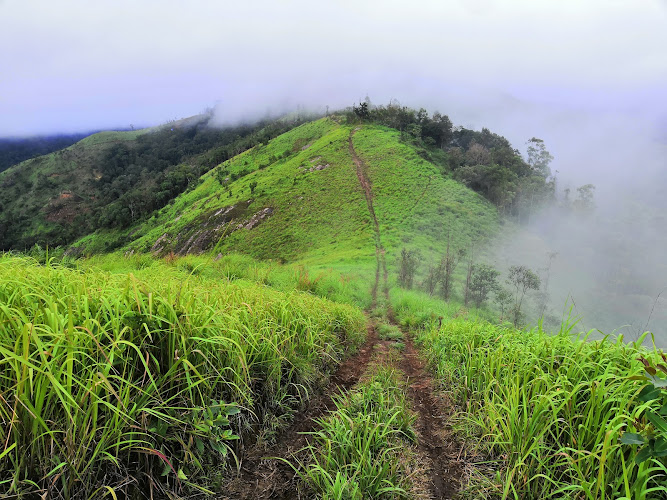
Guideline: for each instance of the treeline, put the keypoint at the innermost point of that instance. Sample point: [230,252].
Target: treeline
[16,150]
[133,179]
[482,282]
[140,178]
[484,161]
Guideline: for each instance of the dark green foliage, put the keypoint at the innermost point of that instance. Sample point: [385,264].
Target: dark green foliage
[652,435]
[14,151]
[362,111]
[409,262]
[484,281]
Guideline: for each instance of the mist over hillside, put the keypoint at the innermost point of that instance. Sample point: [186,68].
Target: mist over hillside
[610,263]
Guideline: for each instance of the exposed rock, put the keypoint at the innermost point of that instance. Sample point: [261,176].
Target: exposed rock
[160,243]
[313,169]
[256,219]
[204,232]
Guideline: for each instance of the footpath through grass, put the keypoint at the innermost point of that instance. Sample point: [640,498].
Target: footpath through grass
[142,381]
[546,411]
[366,447]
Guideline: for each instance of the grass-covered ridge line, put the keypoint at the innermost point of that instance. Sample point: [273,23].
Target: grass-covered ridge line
[547,410]
[303,184]
[416,205]
[320,211]
[106,376]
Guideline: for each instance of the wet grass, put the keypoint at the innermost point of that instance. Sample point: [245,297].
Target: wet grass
[141,382]
[364,448]
[546,410]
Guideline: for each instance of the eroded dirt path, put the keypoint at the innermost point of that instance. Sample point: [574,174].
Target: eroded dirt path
[362,175]
[261,476]
[436,441]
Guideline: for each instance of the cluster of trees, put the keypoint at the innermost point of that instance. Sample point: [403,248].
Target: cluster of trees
[140,178]
[135,178]
[484,161]
[482,281]
[16,150]
[432,131]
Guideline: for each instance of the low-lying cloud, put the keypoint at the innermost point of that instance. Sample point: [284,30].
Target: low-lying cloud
[586,77]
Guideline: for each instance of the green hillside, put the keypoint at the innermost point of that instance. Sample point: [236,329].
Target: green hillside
[270,332]
[115,179]
[307,203]
[40,196]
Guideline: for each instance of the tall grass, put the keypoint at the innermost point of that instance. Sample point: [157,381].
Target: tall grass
[143,381]
[362,449]
[340,284]
[548,409]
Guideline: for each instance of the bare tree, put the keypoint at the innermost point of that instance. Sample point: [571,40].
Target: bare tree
[409,261]
[470,268]
[448,265]
[523,279]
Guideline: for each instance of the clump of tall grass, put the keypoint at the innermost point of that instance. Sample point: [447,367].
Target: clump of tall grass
[548,410]
[362,449]
[389,332]
[344,287]
[142,382]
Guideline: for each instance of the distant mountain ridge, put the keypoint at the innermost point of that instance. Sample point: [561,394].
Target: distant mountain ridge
[14,150]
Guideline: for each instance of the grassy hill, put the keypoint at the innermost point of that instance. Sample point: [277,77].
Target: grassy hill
[297,198]
[14,150]
[41,196]
[229,327]
[114,179]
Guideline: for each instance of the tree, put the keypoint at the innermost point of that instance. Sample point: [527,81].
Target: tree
[484,280]
[433,277]
[477,155]
[409,261]
[503,298]
[585,198]
[523,279]
[538,157]
[253,185]
[447,267]
[466,286]
[544,295]
[363,110]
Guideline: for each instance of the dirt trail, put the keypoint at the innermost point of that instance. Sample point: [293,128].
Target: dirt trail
[435,437]
[365,182]
[262,477]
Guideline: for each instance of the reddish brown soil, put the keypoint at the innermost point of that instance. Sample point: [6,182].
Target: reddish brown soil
[262,477]
[436,440]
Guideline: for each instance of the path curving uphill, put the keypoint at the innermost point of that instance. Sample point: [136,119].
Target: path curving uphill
[266,473]
[436,441]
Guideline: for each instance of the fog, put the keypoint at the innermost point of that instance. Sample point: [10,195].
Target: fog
[610,265]
[586,77]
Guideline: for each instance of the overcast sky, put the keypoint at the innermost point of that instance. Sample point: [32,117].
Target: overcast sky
[572,72]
